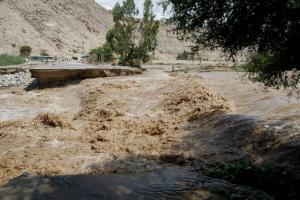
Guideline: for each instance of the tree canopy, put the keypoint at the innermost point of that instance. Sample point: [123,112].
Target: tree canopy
[25,51]
[133,40]
[270,29]
[149,28]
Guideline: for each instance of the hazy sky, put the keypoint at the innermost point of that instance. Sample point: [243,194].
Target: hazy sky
[108,4]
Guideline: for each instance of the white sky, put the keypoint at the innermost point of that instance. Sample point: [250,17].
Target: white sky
[108,4]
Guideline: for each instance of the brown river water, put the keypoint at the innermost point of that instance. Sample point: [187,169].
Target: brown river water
[252,99]
[262,126]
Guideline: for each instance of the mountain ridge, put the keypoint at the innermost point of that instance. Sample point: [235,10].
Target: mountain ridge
[64,27]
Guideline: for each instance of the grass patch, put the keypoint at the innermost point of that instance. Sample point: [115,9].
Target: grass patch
[6,60]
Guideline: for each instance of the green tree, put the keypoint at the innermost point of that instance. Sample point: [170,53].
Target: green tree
[149,29]
[132,39]
[270,28]
[102,54]
[25,51]
[121,37]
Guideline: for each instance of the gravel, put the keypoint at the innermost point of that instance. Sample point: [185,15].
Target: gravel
[20,78]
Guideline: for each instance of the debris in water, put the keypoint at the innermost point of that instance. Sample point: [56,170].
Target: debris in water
[53,120]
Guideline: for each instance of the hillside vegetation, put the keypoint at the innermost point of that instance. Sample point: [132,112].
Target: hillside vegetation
[10,60]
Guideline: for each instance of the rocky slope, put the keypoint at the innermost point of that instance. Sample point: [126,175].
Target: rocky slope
[63,27]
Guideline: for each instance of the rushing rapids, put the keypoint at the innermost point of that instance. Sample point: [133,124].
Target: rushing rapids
[169,125]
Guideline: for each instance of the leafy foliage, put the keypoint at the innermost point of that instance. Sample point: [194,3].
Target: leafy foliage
[121,35]
[10,60]
[267,27]
[132,40]
[260,68]
[149,29]
[44,52]
[103,54]
[185,55]
[25,51]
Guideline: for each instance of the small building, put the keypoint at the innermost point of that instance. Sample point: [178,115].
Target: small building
[42,58]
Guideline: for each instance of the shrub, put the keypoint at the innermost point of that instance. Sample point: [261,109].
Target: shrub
[25,51]
[106,53]
[44,52]
[257,61]
[260,68]
[122,60]
[10,60]
[185,55]
[102,54]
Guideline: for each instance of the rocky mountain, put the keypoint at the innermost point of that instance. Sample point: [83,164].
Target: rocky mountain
[65,28]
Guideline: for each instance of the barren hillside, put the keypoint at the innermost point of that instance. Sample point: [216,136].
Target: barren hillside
[63,27]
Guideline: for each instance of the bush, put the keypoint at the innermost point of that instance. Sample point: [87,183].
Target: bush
[102,54]
[184,56]
[44,52]
[106,53]
[134,58]
[260,68]
[25,51]
[122,60]
[256,62]
[10,60]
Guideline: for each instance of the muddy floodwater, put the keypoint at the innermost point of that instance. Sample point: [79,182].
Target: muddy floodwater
[170,183]
[252,99]
[248,98]
[146,136]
